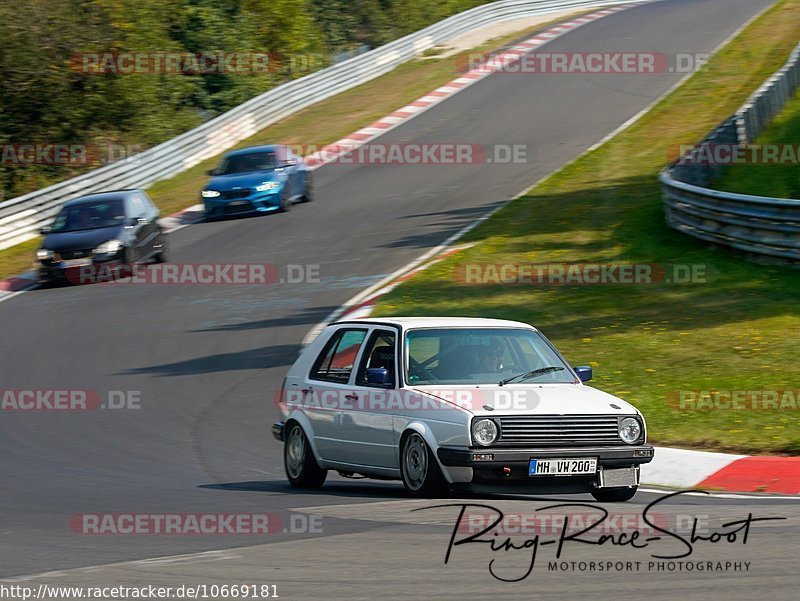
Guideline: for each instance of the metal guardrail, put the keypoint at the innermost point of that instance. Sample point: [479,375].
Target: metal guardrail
[22,217]
[754,224]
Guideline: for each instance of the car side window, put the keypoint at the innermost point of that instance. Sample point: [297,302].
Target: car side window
[379,352]
[136,206]
[335,362]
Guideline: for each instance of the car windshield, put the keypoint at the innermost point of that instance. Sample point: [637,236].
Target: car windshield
[89,216]
[481,356]
[251,161]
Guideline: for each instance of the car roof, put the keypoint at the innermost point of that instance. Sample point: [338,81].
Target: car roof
[101,196]
[249,149]
[408,323]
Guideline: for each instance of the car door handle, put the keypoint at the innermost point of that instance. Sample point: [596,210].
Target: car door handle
[307,390]
[351,397]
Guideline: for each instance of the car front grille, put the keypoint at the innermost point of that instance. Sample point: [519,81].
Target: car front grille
[233,208]
[558,430]
[234,194]
[66,255]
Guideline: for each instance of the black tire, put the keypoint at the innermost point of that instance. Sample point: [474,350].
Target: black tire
[614,495]
[309,195]
[162,256]
[286,204]
[299,462]
[419,469]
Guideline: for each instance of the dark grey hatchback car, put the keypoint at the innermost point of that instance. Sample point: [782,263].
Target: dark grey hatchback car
[107,228]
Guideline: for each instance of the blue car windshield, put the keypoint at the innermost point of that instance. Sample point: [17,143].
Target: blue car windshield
[89,216]
[251,161]
[472,356]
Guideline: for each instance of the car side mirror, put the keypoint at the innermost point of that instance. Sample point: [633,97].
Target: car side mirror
[290,163]
[213,172]
[584,372]
[45,230]
[378,376]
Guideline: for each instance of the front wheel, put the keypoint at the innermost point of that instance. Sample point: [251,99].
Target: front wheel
[614,495]
[308,195]
[301,467]
[419,468]
[285,203]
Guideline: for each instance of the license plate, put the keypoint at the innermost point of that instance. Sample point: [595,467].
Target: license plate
[561,466]
[76,262]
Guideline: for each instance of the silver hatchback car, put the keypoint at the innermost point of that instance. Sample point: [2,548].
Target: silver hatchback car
[455,403]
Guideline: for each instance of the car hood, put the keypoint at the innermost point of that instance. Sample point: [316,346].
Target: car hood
[82,239]
[250,179]
[521,399]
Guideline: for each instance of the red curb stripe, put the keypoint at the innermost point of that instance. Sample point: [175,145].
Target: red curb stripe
[15,284]
[401,114]
[381,125]
[421,103]
[359,137]
[758,474]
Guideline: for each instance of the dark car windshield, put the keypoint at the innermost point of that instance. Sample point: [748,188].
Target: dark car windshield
[251,161]
[89,216]
[471,356]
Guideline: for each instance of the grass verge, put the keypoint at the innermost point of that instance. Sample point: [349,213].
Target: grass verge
[737,331]
[323,123]
[776,180]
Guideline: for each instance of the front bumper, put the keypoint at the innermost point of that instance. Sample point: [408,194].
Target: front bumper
[95,268]
[509,467]
[277,430]
[256,203]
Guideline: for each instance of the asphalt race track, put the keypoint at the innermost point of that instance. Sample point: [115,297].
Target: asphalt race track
[206,360]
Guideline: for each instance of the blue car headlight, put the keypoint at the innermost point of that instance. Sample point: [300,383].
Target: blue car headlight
[209,193]
[268,187]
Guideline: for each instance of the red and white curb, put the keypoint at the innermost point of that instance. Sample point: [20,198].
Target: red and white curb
[719,471]
[498,62]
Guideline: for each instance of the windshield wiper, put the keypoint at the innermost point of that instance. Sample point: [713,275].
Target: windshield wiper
[531,374]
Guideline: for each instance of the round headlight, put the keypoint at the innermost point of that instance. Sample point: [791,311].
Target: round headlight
[484,431]
[630,430]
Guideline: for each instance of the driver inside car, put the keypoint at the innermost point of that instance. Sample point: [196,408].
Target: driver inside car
[491,358]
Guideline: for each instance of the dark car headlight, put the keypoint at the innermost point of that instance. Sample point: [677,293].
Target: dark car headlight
[108,248]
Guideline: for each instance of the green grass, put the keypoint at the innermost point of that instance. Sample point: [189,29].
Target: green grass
[777,180]
[323,123]
[738,331]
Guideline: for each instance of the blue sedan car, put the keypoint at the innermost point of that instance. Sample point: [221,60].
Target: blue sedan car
[259,179]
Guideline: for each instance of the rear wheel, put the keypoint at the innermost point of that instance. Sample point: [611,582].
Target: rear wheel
[301,467]
[614,495]
[419,469]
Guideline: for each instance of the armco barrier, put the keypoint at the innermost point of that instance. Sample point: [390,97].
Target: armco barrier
[22,217]
[754,224]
